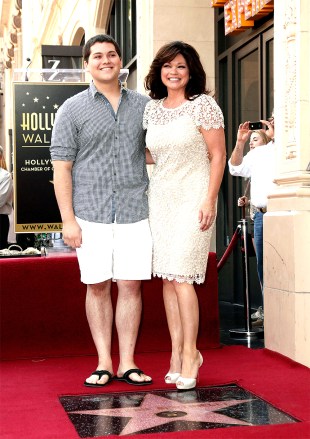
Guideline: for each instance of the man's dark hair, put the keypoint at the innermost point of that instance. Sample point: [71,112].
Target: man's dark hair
[102,38]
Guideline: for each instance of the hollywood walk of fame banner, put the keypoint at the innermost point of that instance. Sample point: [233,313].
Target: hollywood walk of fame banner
[35,107]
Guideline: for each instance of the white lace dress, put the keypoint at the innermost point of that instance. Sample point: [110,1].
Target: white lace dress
[178,184]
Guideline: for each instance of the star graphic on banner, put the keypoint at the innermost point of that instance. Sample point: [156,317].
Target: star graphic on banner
[29,101]
[157,410]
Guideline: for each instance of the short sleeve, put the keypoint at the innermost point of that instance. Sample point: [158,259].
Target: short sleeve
[64,136]
[207,113]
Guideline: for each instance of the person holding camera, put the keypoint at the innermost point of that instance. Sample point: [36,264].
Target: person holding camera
[257,138]
[6,200]
[258,165]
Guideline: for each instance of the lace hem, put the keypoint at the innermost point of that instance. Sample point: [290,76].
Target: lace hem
[197,278]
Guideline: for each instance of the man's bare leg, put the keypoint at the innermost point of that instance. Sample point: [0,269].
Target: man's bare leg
[127,319]
[99,314]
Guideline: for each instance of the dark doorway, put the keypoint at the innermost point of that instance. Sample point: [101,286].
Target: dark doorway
[244,88]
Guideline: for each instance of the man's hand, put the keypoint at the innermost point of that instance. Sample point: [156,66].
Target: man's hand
[72,234]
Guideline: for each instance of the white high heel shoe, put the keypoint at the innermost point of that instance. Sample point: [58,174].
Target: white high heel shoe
[172,378]
[189,383]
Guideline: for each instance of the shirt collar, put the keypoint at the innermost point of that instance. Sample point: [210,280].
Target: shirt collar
[94,90]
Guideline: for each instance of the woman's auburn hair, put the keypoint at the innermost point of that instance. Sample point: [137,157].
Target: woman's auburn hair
[197,76]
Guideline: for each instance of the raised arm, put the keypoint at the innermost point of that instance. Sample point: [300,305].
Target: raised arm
[270,128]
[242,137]
[71,231]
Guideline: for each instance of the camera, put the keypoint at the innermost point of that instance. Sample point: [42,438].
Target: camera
[255,125]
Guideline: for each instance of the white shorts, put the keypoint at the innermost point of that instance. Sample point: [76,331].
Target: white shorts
[115,251]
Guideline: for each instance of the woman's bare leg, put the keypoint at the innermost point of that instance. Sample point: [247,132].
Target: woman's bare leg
[174,325]
[189,315]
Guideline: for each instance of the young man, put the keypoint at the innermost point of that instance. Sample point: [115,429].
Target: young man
[100,178]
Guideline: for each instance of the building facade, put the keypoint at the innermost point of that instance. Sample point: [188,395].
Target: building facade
[254,64]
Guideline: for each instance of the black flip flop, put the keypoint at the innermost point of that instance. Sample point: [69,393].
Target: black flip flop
[128,380]
[100,374]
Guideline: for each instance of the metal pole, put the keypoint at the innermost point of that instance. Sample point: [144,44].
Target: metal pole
[248,332]
[247,304]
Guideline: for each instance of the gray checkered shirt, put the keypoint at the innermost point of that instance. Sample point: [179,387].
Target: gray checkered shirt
[109,175]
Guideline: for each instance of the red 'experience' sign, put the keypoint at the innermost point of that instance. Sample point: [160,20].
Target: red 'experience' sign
[240,15]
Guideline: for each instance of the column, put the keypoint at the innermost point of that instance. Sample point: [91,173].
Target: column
[287,222]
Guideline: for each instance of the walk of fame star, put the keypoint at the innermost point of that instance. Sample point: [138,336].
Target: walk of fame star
[167,411]
[157,410]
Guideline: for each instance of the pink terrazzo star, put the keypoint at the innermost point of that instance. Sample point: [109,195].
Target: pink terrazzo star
[157,410]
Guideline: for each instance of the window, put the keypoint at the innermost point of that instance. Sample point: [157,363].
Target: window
[122,28]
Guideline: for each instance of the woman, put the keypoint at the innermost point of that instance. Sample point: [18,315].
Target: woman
[6,200]
[186,143]
[259,165]
[257,138]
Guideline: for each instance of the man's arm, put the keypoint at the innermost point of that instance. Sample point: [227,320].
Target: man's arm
[71,231]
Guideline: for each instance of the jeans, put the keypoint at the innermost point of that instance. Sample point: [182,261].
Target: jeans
[258,239]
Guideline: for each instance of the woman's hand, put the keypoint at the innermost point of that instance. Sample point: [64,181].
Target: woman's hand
[243,201]
[270,128]
[206,215]
[243,133]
